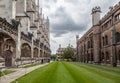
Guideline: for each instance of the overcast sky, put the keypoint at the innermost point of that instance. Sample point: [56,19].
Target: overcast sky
[71,17]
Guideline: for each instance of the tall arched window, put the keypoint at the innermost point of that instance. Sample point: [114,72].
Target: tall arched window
[102,57]
[107,57]
[84,47]
[92,57]
[91,40]
[88,44]
[118,56]
[103,41]
[117,36]
[106,40]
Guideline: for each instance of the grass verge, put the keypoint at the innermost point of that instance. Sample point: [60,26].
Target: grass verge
[27,66]
[6,72]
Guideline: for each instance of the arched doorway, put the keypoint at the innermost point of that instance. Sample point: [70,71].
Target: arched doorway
[35,52]
[25,50]
[8,58]
[7,49]
[107,57]
[9,52]
[1,46]
[118,57]
[102,58]
[41,52]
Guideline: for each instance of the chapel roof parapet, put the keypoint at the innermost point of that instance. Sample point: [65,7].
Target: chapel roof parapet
[96,9]
[111,11]
[13,26]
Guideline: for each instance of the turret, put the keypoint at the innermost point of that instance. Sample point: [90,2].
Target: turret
[59,45]
[96,15]
[77,38]
[96,33]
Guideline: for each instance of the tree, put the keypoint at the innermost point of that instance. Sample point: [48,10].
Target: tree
[53,56]
[68,53]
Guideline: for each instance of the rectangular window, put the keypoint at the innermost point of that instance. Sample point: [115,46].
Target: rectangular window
[107,24]
[103,41]
[117,37]
[117,17]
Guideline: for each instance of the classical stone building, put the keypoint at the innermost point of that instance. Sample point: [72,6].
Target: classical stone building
[101,43]
[24,33]
[60,52]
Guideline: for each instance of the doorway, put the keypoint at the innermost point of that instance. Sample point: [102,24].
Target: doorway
[8,58]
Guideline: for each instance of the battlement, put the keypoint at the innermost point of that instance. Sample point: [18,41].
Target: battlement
[96,9]
[112,9]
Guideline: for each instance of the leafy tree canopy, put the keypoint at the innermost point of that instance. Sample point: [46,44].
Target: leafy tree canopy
[68,53]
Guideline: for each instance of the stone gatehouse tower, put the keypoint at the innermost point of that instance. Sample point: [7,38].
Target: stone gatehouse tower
[24,33]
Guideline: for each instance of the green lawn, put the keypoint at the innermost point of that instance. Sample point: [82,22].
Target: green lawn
[64,72]
[6,72]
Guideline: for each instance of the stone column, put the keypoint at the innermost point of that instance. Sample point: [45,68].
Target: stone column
[39,54]
[96,39]
[114,61]
[32,51]
[18,43]
[18,47]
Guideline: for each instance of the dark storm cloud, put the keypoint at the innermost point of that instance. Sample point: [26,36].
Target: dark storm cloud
[61,29]
[66,23]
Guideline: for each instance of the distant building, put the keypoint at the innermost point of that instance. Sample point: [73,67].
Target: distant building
[101,43]
[24,33]
[60,52]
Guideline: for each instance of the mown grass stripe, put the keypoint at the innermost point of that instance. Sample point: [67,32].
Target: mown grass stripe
[65,72]
[103,73]
[107,68]
[63,76]
[86,76]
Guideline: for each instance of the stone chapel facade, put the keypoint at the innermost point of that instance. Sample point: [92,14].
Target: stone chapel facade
[24,33]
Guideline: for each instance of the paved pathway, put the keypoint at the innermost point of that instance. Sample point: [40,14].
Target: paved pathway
[20,72]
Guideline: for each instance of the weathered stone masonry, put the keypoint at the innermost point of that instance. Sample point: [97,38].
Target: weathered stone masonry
[101,43]
[24,33]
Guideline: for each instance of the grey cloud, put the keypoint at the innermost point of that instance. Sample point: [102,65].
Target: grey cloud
[60,30]
[53,41]
[66,25]
[47,6]
[72,1]
[54,1]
